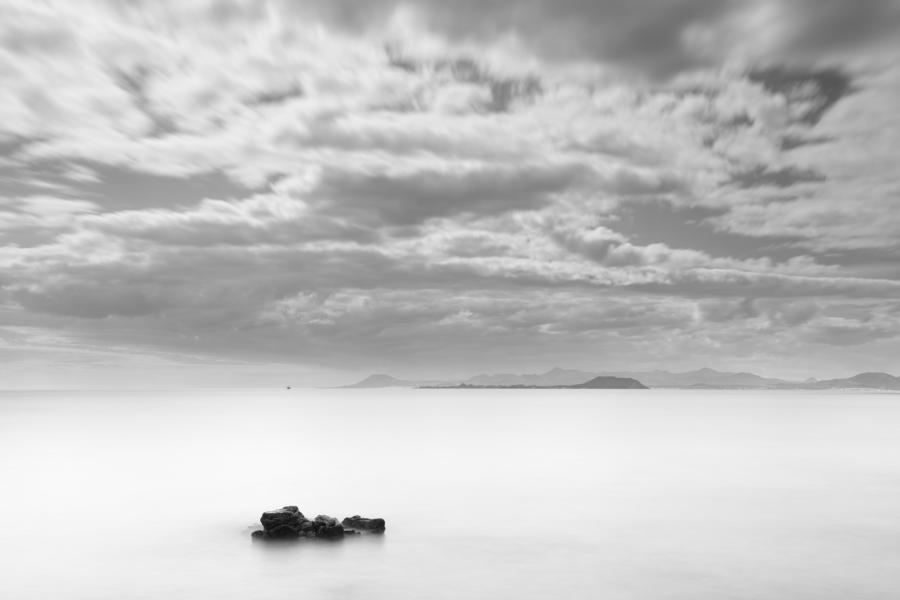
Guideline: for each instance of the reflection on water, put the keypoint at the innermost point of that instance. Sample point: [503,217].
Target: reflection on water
[487,494]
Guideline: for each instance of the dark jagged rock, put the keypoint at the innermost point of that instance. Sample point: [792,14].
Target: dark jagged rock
[275,518]
[363,524]
[331,532]
[288,523]
[329,521]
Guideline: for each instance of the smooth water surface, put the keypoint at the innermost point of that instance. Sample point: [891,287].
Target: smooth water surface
[487,494]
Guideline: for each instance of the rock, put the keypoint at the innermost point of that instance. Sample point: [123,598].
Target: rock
[274,518]
[359,523]
[283,532]
[331,532]
[288,523]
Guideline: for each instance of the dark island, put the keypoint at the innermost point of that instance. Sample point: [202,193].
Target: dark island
[597,383]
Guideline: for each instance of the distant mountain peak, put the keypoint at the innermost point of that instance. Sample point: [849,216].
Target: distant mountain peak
[383,380]
[609,383]
[378,380]
[869,380]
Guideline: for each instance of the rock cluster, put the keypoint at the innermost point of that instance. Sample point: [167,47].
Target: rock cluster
[288,523]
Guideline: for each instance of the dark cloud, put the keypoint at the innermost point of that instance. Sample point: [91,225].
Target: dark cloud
[785,177]
[504,90]
[724,311]
[476,245]
[789,142]
[812,91]
[24,32]
[119,188]
[93,300]
[277,96]
[694,228]
[643,33]
[794,313]
[883,260]
[828,25]
[646,35]
[408,198]
[10,145]
[712,283]
[850,335]
[114,187]
[135,82]
[777,312]
[640,33]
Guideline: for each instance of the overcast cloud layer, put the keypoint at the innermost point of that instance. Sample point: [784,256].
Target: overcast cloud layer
[440,188]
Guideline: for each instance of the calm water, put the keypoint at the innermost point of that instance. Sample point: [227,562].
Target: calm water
[487,494]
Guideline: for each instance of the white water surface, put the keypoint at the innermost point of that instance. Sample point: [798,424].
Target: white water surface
[521,494]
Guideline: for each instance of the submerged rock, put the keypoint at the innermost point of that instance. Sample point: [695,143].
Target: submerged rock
[283,532]
[364,524]
[288,523]
[331,532]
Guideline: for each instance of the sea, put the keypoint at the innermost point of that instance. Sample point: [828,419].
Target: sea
[487,494]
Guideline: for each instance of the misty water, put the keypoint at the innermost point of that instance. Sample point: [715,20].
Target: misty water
[487,494]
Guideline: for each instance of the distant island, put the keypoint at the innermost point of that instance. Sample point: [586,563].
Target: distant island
[558,378]
[597,383]
[380,380]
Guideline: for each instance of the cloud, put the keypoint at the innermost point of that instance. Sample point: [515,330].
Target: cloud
[262,219]
[90,301]
[785,177]
[657,39]
[851,334]
[417,181]
[809,93]
[409,198]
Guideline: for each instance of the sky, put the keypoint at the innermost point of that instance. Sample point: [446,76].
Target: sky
[252,192]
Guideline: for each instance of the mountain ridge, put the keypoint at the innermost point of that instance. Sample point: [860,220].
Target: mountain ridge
[704,378]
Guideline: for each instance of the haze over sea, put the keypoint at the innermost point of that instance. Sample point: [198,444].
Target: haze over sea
[609,494]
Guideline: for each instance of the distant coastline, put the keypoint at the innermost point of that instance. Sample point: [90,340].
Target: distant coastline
[597,383]
[558,378]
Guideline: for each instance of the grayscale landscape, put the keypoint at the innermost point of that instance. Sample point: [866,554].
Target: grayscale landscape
[449,299]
